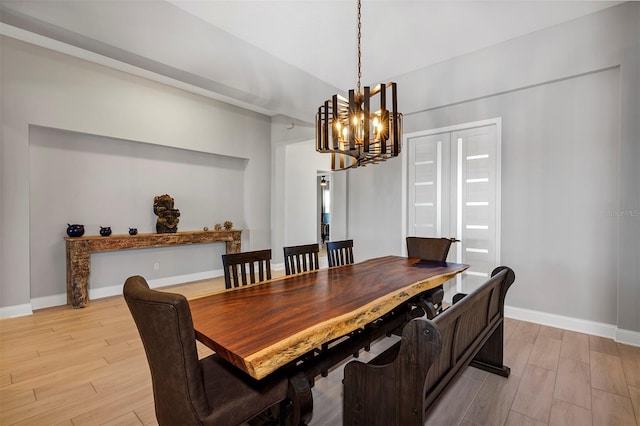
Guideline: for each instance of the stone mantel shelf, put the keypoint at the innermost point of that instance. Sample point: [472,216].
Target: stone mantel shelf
[79,250]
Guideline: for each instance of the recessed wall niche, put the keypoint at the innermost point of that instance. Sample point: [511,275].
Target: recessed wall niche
[102,181]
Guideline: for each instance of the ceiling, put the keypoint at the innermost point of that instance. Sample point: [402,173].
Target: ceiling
[277,57]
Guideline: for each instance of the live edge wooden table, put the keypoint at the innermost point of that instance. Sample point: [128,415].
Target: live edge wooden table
[274,327]
[79,251]
[262,327]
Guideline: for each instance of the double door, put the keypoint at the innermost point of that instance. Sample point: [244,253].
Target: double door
[454,191]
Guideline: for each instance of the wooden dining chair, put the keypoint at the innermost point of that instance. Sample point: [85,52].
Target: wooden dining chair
[301,258]
[436,249]
[235,267]
[189,391]
[340,252]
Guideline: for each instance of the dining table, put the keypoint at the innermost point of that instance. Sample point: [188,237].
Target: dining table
[266,326]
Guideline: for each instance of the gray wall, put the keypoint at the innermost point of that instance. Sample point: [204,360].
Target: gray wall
[99,181]
[569,101]
[570,150]
[41,88]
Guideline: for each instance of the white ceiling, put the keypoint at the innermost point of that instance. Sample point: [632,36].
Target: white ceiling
[398,36]
[278,57]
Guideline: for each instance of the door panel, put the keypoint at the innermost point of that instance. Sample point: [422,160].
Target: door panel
[453,191]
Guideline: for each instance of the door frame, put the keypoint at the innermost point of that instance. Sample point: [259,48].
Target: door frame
[497,121]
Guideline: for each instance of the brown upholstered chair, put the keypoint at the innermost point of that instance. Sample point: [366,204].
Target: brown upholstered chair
[235,267]
[436,249]
[188,391]
[340,252]
[301,258]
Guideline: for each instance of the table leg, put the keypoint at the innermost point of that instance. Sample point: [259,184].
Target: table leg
[78,266]
[234,246]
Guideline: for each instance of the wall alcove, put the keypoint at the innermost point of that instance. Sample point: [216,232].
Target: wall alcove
[102,181]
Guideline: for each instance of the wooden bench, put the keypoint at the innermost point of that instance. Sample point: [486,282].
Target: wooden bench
[401,384]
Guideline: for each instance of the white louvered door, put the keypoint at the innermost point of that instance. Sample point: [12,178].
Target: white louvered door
[454,191]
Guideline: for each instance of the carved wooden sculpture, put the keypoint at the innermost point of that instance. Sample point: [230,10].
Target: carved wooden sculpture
[167,215]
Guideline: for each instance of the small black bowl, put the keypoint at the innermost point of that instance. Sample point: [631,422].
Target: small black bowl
[75,230]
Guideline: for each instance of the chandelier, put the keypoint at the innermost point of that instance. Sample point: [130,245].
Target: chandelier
[362,129]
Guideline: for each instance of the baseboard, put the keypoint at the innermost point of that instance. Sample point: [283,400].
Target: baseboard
[16,311]
[628,337]
[49,301]
[113,290]
[609,331]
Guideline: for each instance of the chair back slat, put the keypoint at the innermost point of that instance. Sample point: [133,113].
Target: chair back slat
[302,258]
[235,267]
[340,252]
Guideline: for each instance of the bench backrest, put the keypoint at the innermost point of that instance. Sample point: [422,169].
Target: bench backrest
[465,327]
[430,355]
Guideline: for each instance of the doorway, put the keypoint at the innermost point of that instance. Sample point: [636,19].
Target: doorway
[324,208]
[453,190]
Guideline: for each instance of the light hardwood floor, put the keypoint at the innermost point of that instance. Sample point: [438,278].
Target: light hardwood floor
[62,366]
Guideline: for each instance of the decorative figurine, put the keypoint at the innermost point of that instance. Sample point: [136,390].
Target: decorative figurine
[75,230]
[133,231]
[228,224]
[105,231]
[167,215]
[218,227]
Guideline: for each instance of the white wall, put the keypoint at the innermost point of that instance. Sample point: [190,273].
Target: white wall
[98,181]
[374,209]
[47,89]
[559,176]
[566,96]
[582,60]
[301,186]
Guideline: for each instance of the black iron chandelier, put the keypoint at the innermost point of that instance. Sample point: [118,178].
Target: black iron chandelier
[360,130]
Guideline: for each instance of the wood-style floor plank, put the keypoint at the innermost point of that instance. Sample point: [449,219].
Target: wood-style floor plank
[607,373]
[573,383]
[575,346]
[564,413]
[535,393]
[492,404]
[610,409]
[526,332]
[545,352]
[65,366]
[517,419]
[452,405]
[630,358]
[600,344]
[634,393]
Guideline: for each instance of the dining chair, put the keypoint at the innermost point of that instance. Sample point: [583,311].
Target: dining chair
[301,258]
[186,390]
[235,267]
[340,252]
[427,248]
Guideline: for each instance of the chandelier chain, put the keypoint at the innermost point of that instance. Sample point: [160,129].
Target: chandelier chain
[359,37]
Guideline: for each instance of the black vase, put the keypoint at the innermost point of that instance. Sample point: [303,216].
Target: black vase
[105,231]
[75,230]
